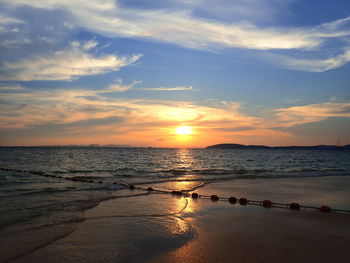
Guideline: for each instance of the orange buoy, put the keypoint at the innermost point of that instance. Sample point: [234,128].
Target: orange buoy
[214,198]
[326,209]
[232,200]
[267,204]
[195,195]
[294,206]
[243,201]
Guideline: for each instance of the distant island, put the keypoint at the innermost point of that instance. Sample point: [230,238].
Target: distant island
[242,146]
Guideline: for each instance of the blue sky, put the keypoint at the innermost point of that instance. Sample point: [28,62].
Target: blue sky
[130,72]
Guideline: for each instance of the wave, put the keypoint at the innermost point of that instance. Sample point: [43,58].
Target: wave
[149,176]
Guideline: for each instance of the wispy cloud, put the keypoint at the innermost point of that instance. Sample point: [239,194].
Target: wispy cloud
[297,115]
[187,29]
[66,64]
[15,43]
[118,86]
[177,88]
[11,88]
[312,65]
[7,23]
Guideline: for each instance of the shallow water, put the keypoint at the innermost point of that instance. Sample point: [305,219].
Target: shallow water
[46,191]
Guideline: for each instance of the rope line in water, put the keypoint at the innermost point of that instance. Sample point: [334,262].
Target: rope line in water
[266,203]
[185,193]
[244,201]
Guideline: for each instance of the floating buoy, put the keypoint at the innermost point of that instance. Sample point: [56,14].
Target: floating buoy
[176,192]
[195,195]
[267,204]
[150,189]
[214,198]
[326,209]
[131,187]
[232,200]
[294,206]
[243,201]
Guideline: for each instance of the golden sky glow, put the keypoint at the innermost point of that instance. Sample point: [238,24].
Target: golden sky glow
[174,73]
[88,116]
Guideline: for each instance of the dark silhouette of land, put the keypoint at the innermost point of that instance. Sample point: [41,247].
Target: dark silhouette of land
[242,146]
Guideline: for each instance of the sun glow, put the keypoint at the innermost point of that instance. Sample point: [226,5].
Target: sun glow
[183,130]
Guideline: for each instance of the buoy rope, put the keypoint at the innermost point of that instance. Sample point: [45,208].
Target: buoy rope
[185,193]
[244,201]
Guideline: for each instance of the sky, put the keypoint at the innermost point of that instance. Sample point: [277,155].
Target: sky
[174,73]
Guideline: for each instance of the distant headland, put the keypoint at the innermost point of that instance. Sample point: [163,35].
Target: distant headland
[242,146]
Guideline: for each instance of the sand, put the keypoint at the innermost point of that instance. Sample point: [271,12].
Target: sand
[255,234]
[164,228]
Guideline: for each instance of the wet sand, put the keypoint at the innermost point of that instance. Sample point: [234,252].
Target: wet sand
[256,234]
[143,227]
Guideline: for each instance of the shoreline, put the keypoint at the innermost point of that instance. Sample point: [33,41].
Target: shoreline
[158,227]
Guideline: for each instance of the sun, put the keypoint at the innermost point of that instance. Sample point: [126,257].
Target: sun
[183,130]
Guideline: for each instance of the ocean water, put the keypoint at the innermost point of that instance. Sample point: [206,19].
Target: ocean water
[45,191]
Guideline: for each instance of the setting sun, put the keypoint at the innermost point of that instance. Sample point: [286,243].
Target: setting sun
[183,130]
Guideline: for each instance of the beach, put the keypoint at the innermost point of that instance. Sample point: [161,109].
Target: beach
[144,226]
[188,131]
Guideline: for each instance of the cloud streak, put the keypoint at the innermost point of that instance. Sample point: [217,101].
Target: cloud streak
[118,86]
[312,65]
[66,64]
[298,115]
[177,88]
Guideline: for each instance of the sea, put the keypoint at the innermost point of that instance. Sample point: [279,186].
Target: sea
[49,188]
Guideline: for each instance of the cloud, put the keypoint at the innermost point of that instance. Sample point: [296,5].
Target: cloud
[11,88]
[25,109]
[118,86]
[6,23]
[181,23]
[64,64]
[312,65]
[198,33]
[86,45]
[15,43]
[177,88]
[186,29]
[83,112]
[5,20]
[297,115]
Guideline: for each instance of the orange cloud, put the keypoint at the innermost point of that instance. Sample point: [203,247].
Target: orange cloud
[90,116]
